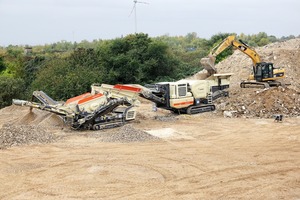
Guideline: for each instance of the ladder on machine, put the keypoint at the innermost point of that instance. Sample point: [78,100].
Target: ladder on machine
[209,98]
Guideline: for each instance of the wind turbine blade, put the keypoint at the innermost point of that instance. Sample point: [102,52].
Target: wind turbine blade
[142,2]
[132,10]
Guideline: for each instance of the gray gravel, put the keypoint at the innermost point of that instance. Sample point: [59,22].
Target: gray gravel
[167,118]
[125,134]
[15,135]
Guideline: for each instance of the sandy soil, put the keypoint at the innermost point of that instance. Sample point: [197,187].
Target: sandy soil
[199,157]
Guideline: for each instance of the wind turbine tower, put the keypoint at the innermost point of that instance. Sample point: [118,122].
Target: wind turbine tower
[134,9]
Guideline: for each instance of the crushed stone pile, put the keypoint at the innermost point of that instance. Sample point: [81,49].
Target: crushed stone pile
[125,134]
[263,103]
[18,115]
[16,135]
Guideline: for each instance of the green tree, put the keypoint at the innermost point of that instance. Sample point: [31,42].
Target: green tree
[2,65]
[190,37]
[137,58]
[215,40]
[31,67]
[263,42]
[62,78]
[10,88]
[159,62]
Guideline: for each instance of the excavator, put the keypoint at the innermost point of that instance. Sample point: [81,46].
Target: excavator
[264,73]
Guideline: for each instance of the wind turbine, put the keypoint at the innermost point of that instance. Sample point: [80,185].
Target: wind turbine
[134,9]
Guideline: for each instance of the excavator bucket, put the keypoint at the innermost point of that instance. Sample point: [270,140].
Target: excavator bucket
[209,64]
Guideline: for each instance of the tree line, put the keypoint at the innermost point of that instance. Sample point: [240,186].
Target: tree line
[65,69]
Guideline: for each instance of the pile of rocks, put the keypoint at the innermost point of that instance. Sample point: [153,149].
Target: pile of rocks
[288,44]
[264,103]
[15,135]
[125,134]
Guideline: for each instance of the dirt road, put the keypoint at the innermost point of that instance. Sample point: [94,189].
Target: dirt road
[199,157]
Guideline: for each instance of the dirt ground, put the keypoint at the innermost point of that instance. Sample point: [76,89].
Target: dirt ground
[198,157]
[163,156]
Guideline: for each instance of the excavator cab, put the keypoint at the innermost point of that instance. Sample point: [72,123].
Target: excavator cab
[264,75]
[263,71]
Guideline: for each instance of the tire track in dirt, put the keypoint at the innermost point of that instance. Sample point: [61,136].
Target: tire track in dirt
[238,177]
[250,176]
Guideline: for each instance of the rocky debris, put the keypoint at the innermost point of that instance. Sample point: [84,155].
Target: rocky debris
[201,75]
[167,118]
[288,44]
[263,103]
[145,111]
[125,134]
[15,135]
[229,114]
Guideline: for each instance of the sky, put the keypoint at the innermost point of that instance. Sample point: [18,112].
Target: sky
[38,22]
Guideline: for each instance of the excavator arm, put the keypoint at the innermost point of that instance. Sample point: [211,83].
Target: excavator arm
[240,45]
[227,42]
[230,41]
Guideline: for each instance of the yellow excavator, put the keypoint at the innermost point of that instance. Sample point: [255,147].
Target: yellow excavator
[264,73]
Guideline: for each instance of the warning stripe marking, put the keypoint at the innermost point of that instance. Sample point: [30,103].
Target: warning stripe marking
[77,98]
[128,88]
[184,103]
[90,98]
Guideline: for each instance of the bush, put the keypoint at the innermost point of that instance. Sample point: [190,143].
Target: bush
[11,88]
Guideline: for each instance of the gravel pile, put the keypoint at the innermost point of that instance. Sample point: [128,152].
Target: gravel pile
[263,103]
[15,135]
[125,134]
